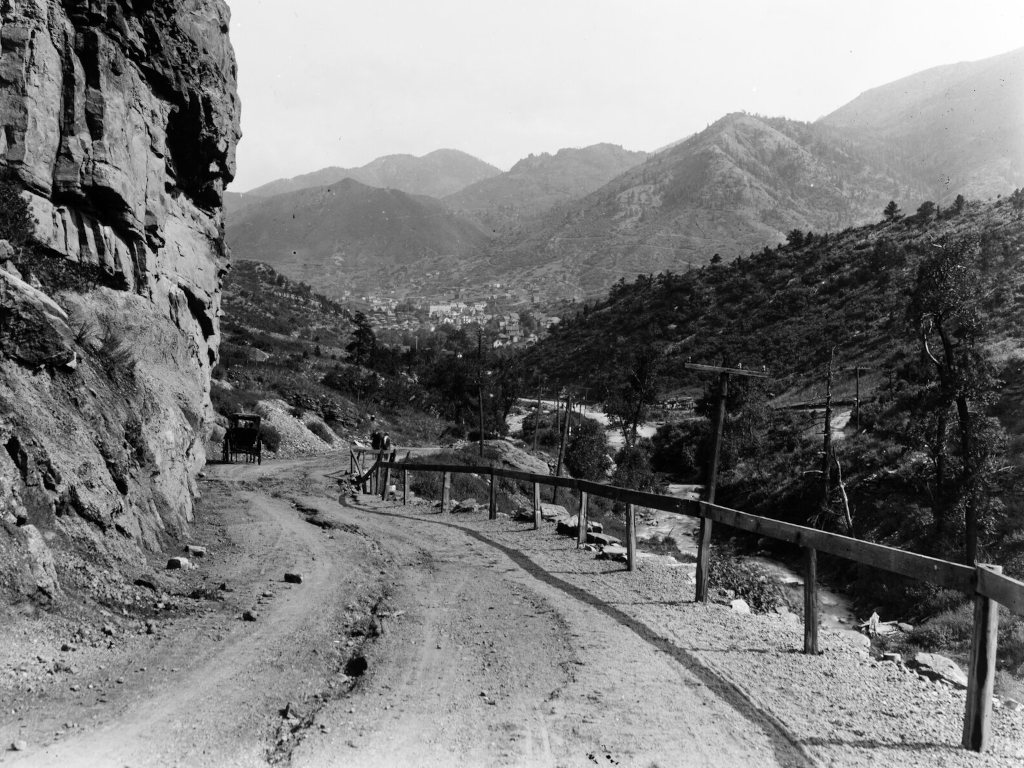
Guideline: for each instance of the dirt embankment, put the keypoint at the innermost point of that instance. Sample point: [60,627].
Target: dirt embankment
[420,639]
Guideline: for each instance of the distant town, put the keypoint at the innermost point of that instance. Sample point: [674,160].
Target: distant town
[506,324]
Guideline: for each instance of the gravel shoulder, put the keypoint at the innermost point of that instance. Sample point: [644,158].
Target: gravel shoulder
[424,639]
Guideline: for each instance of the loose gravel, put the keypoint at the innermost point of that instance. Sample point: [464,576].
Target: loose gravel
[841,708]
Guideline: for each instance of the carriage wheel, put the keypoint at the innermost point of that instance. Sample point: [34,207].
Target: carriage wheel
[226,452]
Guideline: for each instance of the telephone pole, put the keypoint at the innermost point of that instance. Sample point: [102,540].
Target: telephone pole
[712,478]
[857,369]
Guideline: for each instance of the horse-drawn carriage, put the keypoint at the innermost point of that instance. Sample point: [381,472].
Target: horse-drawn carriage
[243,437]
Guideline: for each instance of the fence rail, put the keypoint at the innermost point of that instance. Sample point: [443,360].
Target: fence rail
[986,584]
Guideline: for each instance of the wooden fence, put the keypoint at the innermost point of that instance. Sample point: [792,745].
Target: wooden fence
[984,583]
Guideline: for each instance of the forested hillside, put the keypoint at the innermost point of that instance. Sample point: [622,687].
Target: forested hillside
[931,305]
[787,307]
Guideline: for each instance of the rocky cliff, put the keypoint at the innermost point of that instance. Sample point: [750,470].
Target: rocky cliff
[119,123]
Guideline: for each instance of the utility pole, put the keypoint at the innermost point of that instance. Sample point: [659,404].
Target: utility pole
[561,448]
[704,538]
[826,460]
[480,383]
[536,421]
[857,370]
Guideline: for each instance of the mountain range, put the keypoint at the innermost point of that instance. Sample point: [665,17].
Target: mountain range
[539,183]
[572,223]
[436,174]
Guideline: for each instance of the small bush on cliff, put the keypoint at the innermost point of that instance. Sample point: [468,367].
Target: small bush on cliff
[114,353]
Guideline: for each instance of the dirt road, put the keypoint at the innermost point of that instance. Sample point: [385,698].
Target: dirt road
[417,639]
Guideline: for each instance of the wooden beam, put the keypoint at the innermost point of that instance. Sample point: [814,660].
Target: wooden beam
[982,673]
[751,372]
[811,601]
[446,492]
[631,537]
[581,529]
[1002,589]
[536,506]
[941,572]
[492,500]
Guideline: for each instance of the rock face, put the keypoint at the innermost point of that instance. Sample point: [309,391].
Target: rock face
[120,121]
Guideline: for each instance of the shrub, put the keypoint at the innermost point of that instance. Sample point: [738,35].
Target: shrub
[271,437]
[114,353]
[745,579]
[678,448]
[949,630]
[228,401]
[633,467]
[545,427]
[322,431]
[586,455]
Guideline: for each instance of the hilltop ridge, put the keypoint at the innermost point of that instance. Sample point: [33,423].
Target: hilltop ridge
[435,174]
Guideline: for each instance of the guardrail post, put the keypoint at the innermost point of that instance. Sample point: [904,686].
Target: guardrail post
[581,532]
[703,557]
[446,492]
[492,500]
[811,601]
[387,476]
[351,461]
[536,506]
[982,673]
[630,537]
[405,486]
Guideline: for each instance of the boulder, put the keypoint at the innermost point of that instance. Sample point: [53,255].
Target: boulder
[293,578]
[613,552]
[466,506]
[904,627]
[40,560]
[1012,705]
[179,563]
[739,605]
[935,666]
[35,331]
[568,526]
[195,551]
[151,582]
[601,538]
[552,511]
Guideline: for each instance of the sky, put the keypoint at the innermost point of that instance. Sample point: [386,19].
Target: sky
[329,83]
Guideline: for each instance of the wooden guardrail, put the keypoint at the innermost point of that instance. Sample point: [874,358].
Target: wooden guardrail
[985,583]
